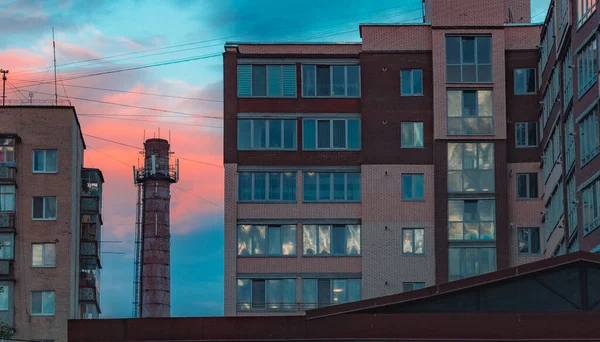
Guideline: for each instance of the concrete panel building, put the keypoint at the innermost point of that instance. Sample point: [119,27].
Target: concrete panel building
[421,155]
[50,222]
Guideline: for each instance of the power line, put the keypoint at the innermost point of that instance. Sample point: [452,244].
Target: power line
[114,142]
[108,155]
[199,162]
[151,121]
[142,93]
[202,198]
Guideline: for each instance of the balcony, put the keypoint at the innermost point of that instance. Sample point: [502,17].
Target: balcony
[90,204]
[89,249]
[7,220]
[89,285]
[8,174]
[7,269]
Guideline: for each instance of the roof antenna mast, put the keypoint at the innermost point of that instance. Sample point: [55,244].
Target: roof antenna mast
[54,51]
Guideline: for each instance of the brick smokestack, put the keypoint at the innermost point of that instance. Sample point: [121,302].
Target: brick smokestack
[156,177]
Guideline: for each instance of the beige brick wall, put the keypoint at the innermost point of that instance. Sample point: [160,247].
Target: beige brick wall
[522,37]
[384,217]
[402,37]
[351,48]
[229,276]
[468,12]
[440,86]
[523,213]
[45,128]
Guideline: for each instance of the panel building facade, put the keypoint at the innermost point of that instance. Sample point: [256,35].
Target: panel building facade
[416,157]
[50,223]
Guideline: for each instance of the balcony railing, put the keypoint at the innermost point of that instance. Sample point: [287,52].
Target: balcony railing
[90,204]
[88,293]
[89,249]
[8,174]
[90,190]
[6,268]
[7,220]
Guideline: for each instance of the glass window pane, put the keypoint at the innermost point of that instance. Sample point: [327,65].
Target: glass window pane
[309,293]
[36,303]
[484,73]
[484,50]
[258,294]
[521,133]
[289,186]
[353,80]
[468,49]
[324,239]
[308,80]
[418,134]
[38,160]
[530,80]
[339,240]
[406,80]
[37,255]
[259,240]
[244,240]
[324,186]
[418,82]
[453,73]
[275,186]
[260,184]
[339,133]
[274,80]
[274,293]
[309,240]
[418,187]
[522,186]
[51,160]
[353,240]
[244,127]
[470,213]
[354,133]
[288,239]
[455,159]
[407,241]
[4,294]
[353,186]
[48,303]
[324,134]
[324,295]
[455,211]
[38,207]
[274,241]
[419,240]
[519,83]
[455,181]
[454,103]
[535,240]
[260,134]
[484,101]
[310,186]
[486,210]
[407,187]
[259,80]
[339,80]
[532,134]
[289,294]
[353,288]
[323,80]
[523,240]
[456,230]
[275,133]
[469,73]
[453,50]
[339,291]
[289,133]
[339,186]
[470,103]
[486,156]
[407,134]
[487,231]
[471,231]
[533,185]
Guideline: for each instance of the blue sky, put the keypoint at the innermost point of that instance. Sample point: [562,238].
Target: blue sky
[87,29]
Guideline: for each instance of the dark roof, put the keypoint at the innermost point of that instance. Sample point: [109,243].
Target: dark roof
[456,286]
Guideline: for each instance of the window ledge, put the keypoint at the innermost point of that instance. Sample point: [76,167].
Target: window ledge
[587,87]
[317,202]
[590,157]
[45,172]
[43,219]
[331,149]
[266,256]
[331,256]
[591,228]
[330,97]
[414,254]
[413,200]
[267,202]
[268,97]
[412,147]
[411,95]
[33,266]
[524,94]
[42,315]
[527,146]
[269,149]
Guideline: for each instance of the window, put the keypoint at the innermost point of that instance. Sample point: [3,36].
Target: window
[325,292]
[407,287]
[590,197]
[411,82]
[573,245]
[266,294]
[585,9]
[412,187]
[468,59]
[7,198]
[470,167]
[43,255]
[44,208]
[471,220]
[267,80]
[266,240]
[4,295]
[331,239]
[529,240]
[562,11]
[572,204]
[550,96]
[267,186]
[331,134]
[526,134]
[330,80]
[413,240]
[42,303]
[589,142]
[470,112]
[552,152]
[527,185]
[7,150]
[547,42]
[412,135]
[7,243]
[259,134]
[328,187]
[587,66]
[525,81]
[44,161]
[568,77]
[465,262]
[554,209]
[569,142]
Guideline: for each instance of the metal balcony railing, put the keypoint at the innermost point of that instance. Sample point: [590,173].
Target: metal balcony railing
[8,174]
[7,220]
[89,249]
[90,204]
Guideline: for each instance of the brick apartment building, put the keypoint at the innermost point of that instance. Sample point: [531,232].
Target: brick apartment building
[426,153]
[50,222]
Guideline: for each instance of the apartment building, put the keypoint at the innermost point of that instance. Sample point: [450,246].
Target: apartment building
[421,155]
[568,121]
[50,222]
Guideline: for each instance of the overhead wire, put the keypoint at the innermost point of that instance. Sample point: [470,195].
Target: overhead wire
[151,121]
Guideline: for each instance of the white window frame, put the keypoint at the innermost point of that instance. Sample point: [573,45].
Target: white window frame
[6,144]
[331,186]
[331,66]
[43,218]
[587,66]
[5,290]
[464,117]
[529,240]
[412,243]
[7,194]
[416,126]
[527,184]
[267,82]
[478,221]
[476,63]
[524,82]
[413,187]
[413,74]
[11,237]
[267,181]
[41,293]
[526,123]
[266,306]
[267,138]
[45,170]
[331,240]
[43,247]
[588,127]
[482,171]
[267,228]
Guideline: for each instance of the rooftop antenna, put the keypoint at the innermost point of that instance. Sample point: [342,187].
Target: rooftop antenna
[30,97]
[54,51]
[510,15]
[3,72]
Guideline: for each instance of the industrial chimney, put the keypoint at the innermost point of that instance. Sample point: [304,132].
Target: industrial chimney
[152,283]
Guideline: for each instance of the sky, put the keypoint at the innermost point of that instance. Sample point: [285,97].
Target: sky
[144,48]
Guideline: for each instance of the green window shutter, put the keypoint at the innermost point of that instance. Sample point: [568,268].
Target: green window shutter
[244,80]
[289,80]
[274,80]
